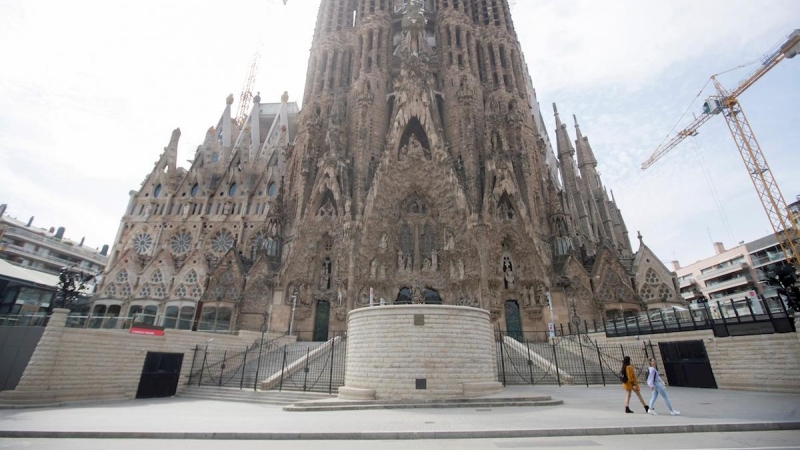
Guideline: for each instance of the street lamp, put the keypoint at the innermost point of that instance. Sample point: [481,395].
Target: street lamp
[294,305]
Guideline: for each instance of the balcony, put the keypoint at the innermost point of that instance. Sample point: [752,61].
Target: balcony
[723,271]
[688,282]
[769,259]
[720,286]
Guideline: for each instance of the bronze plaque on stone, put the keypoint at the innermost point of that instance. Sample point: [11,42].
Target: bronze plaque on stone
[419,319]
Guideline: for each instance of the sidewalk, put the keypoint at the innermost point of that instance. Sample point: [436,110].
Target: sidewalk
[586,411]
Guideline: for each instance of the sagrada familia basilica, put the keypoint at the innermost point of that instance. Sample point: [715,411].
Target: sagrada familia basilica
[418,171]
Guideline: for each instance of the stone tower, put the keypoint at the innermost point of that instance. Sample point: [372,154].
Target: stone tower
[418,171]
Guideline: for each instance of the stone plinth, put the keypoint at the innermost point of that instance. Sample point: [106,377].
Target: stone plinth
[417,352]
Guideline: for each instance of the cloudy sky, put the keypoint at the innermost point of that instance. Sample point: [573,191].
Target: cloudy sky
[91,91]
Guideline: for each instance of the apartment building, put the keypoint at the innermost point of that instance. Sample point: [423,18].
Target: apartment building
[735,274]
[25,245]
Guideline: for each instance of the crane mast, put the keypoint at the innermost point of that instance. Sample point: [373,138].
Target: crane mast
[783,221]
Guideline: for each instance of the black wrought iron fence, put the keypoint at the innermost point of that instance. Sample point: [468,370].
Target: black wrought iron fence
[572,359]
[306,366]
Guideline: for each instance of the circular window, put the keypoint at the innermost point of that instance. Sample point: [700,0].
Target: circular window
[181,291]
[222,242]
[271,190]
[195,189]
[191,277]
[157,191]
[142,242]
[181,243]
[232,190]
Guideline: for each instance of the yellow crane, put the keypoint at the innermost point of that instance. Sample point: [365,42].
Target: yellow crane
[783,221]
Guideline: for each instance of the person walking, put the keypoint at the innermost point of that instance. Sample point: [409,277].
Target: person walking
[631,385]
[657,386]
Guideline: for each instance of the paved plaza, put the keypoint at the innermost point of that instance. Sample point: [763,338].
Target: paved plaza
[585,412]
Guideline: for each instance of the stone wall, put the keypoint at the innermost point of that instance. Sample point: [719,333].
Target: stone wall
[72,364]
[764,362]
[391,347]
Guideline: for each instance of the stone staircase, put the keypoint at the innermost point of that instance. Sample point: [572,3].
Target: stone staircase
[278,398]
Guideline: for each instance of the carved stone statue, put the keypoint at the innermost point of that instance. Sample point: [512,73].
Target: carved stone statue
[426,264]
[409,262]
[434,259]
[401,261]
[461,274]
[147,210]
[324,276]
[382,246]
[416,294]
[185,212]
[373,269]
[226,208]
[449,243]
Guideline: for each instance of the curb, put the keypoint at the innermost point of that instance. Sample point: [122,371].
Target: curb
[409,435]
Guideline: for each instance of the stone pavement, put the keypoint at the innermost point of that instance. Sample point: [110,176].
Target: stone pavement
[586,411]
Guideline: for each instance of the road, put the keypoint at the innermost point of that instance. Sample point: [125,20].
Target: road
[772,440]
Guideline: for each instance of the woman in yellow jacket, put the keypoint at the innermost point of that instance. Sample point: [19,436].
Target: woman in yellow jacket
[631,385]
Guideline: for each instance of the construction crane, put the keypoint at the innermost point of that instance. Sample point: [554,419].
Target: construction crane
[247,89]
[783,221]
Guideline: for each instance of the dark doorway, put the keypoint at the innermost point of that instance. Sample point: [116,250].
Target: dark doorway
[321,321]
[431,297]
[160,375]
[403,297]
[686,364]
[513,320]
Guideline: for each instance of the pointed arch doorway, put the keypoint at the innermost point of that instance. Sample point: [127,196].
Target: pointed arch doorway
[513,320]
[321,320]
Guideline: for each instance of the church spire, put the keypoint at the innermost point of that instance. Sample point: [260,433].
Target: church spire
[585,153]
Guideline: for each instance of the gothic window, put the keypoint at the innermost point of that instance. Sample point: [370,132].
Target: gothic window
[328,206]
[180,292]
[403,297]
[428,239]
[646,292]
[664,293]
[232,190]
[218,293]
[142,243]
[232,293]
[191,277]
[222,242]
[122,276]
[145,291]
[431,297]
[271,189]
[157,191]
[160,291]
[651,277]
[125,290]
[195,190]
[196,291]
[181,243]
[111,290]
[157,277]
[227,279]
[416,206]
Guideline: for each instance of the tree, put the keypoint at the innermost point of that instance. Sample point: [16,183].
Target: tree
[71,285]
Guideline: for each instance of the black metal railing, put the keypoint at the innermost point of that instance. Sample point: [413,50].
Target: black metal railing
[572,359]
[306,366]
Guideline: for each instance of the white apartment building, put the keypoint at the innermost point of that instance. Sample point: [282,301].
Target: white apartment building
[732,275]
[24,245]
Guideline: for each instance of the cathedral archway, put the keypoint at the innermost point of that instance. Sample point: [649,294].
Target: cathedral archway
[513,320]
[413,134]
[403,297]
[431,297]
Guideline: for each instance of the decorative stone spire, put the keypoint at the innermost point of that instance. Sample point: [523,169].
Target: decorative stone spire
[585,153]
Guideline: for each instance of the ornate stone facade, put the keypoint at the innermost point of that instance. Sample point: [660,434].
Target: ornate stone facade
[417,172]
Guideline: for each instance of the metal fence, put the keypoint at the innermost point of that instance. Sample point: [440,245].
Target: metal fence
[302,366]
[574,359]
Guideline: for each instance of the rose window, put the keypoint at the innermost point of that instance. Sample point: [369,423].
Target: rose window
[122,276]
[222,242]
[142,242]
[191,277]
[196,291]
[181,291]
[161,291]
[647,293]
[181,243]
[125,290]
[145,292]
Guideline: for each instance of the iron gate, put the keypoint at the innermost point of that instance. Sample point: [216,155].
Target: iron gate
[686,364]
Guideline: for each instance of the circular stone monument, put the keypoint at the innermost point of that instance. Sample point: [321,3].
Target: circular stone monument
[419,352]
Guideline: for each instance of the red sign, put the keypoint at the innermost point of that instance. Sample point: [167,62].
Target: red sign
[147,331]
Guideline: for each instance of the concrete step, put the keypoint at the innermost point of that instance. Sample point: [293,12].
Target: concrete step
[474,403]
[250,396]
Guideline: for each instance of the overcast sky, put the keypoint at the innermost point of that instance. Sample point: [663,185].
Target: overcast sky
[91,91]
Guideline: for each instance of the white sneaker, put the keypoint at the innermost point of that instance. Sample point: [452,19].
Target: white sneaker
[675,413]
[652,412]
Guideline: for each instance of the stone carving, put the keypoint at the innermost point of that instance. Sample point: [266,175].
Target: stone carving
[383,245]
[461,274]
[373,269]
[449,244]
